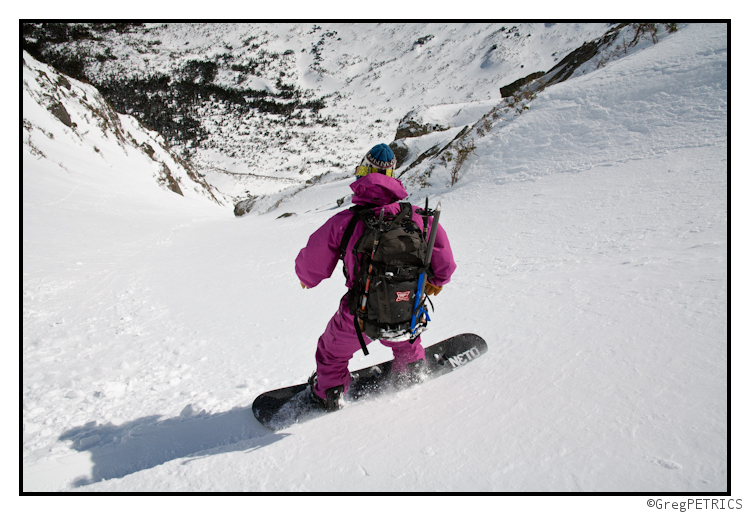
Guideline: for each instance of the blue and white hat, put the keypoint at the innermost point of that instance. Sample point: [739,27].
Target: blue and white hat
[380,156]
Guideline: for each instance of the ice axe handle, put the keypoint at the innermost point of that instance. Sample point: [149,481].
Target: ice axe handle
[428,258]
[433,234]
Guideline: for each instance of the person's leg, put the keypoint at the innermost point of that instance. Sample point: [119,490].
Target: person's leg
[404,353]
[336,346]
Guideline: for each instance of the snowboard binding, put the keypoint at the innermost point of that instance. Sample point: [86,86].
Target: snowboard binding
[334,396]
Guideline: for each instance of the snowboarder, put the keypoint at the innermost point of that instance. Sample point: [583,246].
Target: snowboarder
[374,186]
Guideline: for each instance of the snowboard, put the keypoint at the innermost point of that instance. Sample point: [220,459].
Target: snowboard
[281,408]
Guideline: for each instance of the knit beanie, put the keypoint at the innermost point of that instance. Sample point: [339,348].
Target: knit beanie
[380,156]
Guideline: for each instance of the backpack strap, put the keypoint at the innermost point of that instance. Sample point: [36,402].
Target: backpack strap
[405,213]
[358,211]
[359,336]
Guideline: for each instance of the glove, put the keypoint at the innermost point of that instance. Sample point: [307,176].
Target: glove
[431,289]
[303,286]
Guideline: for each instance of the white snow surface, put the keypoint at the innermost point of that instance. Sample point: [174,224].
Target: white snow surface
[591,241]
[370,75]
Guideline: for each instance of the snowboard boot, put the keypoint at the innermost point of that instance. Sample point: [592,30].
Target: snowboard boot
[334,395]
[415,373]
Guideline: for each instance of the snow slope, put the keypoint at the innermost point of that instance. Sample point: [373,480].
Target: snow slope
[369,75]
[591,242]
[81,124]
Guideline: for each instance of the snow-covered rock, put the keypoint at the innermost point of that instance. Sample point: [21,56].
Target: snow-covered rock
[61,113]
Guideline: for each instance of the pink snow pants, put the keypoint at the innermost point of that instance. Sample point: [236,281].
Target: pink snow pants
[339,342]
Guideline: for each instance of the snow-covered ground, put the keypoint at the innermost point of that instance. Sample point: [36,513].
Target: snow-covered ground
[591,241]
[369,75]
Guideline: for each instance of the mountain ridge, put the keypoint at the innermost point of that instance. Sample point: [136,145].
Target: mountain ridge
[358,81]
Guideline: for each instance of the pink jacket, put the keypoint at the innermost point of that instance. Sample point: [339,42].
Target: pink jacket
[318,259]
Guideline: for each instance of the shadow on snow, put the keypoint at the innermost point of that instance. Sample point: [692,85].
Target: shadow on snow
[117,451]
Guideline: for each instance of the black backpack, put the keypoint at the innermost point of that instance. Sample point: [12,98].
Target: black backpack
[385,308]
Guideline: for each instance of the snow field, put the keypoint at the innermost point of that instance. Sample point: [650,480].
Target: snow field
[591,242]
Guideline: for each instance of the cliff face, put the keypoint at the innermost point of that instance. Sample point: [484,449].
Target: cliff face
[60,111]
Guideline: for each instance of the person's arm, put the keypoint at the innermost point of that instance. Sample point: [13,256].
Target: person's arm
[318,259]
[442,263]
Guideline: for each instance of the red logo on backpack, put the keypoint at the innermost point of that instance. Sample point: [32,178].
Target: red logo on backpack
[402,296]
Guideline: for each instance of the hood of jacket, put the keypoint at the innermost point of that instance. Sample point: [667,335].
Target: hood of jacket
[377,189]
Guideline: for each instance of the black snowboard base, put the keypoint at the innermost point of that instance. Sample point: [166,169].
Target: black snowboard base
[281,408]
